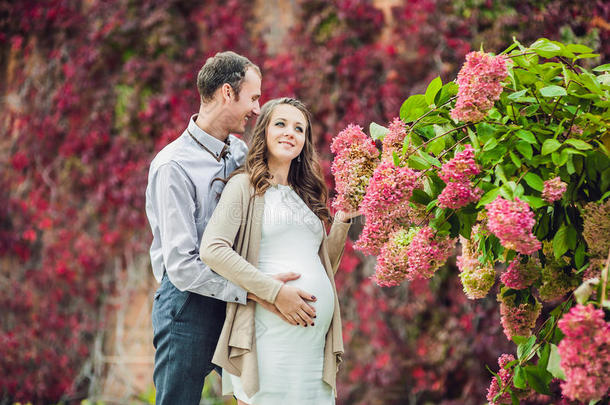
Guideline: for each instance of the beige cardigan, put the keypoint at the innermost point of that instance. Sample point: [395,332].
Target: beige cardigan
[230,246]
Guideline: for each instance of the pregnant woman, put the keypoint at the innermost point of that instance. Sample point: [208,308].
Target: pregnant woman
[269,220]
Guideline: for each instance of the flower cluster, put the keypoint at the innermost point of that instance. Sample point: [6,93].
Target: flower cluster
[459,191]
[461,167]
[585,353]
[512,223]
[480,81]
[505,376]
[386,205]
[477,278]
[393,141]
[518,319]
[457,195]
[520,275]
[392,262]
[596,217]
[427,252]
[553,189]
[354,163]
[555,283]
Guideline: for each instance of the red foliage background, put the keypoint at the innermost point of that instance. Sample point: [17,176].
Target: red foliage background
[92,89]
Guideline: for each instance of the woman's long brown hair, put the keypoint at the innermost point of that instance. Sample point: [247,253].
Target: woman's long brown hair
[305,176]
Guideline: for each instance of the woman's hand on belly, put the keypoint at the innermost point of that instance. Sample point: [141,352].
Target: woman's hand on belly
[290,301]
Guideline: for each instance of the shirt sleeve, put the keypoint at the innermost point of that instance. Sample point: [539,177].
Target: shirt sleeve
[217,245]
[173,199]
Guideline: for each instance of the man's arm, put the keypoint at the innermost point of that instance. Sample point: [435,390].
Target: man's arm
[172,196]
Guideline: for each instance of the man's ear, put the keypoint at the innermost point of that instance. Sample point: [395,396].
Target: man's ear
[227,92]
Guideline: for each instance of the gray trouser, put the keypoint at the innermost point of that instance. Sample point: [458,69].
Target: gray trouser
[186,328]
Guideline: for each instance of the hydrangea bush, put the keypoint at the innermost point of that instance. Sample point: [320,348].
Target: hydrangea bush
[513,160]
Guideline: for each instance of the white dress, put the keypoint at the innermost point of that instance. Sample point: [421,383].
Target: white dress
[290,358]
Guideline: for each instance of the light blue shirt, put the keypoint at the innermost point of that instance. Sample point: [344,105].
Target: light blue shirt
[180,199]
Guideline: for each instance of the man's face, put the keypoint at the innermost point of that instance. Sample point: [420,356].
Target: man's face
[247,106]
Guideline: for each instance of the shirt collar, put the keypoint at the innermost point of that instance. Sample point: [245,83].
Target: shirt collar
[212,145]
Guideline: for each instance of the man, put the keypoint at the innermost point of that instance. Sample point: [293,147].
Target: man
[189,306]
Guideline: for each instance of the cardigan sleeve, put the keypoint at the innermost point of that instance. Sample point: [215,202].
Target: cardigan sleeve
[220,233]
[336,242]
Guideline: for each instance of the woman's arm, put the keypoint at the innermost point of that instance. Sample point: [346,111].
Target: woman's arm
[217,244]
[337,236]
[217,251]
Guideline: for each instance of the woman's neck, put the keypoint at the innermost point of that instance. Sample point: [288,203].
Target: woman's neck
[279,172]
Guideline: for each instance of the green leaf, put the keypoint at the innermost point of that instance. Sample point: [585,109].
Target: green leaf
[396,159]
[530,110]
[438,145]
[433,88]
[578,144]
[545,48]
[602,68]
[515,158]
[519,379]
[431,159]
[534,202]
[449,90]
[579,255]
[413,108]
[519,340]
[490,144]
[560,159]
[538,379]
[517,95]
[554,366]
[418,163]
[578,48]
[489,197]
[524,349]
[377,131]
[550,146]
[572,237]
[534,181]
[527,136]
[587,55]
[420,197]
[553,91]
[525,149]
[543,355]
[560,242]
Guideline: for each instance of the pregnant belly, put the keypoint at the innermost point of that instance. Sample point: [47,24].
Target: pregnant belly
[313,281]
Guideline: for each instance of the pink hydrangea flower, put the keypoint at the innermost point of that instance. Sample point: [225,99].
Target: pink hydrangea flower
[585,353]
[461,167]
[386,204]
[512,223]
[393,140]
[458,194]
[427,252]
[477,278]
[354,163]
[392,262]
[505,379]
[518,320]
[480,81]
[553,189]
[521,275]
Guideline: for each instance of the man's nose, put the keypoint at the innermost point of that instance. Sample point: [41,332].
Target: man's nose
[257,109]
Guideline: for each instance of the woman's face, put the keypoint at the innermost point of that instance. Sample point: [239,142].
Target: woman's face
[285,134]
